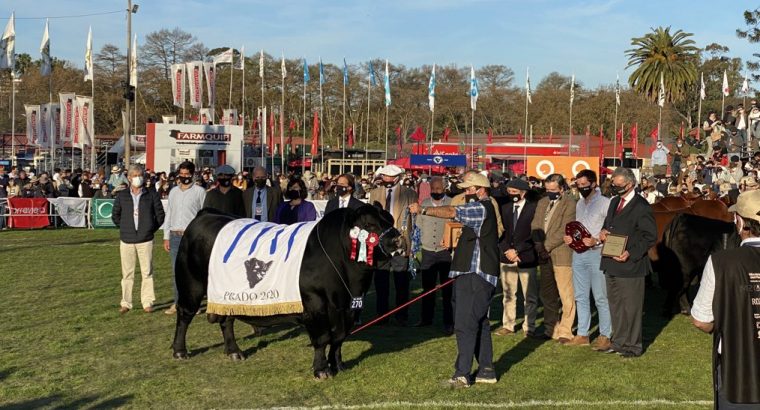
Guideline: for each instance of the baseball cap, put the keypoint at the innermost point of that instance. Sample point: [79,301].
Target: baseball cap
[748,205]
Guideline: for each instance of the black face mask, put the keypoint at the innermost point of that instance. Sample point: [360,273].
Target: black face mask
[514,197]
[470,198]
[260,182]
[185,180]
[341,190]
[224,182]
[617,190]
[293,194]
[553,196]
[585,191]
[437,195]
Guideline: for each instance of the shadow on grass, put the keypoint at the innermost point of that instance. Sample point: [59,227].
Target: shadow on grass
[6,372]
[57,401]
[12,248]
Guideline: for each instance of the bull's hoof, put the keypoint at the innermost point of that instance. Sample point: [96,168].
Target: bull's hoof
[181,355]
[323,375]
[236,356]
[339,367]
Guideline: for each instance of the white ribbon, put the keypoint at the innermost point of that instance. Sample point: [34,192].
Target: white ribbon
[363,235]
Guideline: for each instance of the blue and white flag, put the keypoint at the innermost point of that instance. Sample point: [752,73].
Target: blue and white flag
[306,77]
[387,86]
[345,72]
[473,89]
[321,72]
[431,90]
[45,63]
[527,86]
[372,74]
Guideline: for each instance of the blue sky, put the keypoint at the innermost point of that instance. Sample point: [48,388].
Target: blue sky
[588,38]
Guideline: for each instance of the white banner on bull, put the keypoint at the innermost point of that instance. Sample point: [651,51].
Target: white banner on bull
[32,124]
[73,211]
[67,105]
[195,83]
[178,85]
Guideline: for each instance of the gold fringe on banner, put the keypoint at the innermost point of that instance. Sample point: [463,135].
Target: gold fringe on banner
[284,308]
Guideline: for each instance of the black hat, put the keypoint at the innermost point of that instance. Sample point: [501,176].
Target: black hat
[518,183]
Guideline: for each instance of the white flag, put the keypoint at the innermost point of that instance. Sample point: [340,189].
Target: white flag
[44,131]
[178,85]
[241,61]
[661,94]
[431,88]
[209,71]
[261,64]
[527,87]
[169,119]
[206,116]
[702,91]
[387,82]
[32,124]
[473,89]
[86,122]
[617,90]
[8,45]
[195,83]
[54,126]
[67,106]
[45,65]
[224,57]
[282,67]
[726,88]
[745,86]
[572,90]
[229,117]
[76,136]
[133,64]
[88,58]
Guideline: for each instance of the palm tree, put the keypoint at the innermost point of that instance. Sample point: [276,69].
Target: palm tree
[661,53]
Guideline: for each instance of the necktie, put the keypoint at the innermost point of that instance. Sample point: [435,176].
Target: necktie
[258,205]
[620,205]
[342,203]
[388,200]
[515,216]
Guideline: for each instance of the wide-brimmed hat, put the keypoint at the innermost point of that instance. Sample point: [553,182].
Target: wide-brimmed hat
[748,205]
[473,179]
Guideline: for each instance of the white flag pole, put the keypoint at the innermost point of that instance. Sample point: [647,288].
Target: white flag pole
[525,146]
[303,129]
[572,95]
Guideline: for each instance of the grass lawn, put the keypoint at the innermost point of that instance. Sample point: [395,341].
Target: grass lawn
[63,344]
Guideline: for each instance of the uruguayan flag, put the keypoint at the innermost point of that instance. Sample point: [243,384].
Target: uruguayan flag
[473,89]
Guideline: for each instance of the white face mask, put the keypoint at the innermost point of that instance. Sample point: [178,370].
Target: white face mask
[137,182]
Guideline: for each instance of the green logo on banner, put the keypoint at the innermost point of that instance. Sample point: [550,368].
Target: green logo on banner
[101,213]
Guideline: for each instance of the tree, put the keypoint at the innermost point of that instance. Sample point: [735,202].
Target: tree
[752,34]
[660,54]
[166,47]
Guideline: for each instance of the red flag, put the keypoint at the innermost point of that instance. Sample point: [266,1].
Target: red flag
[254,128]
[399,140]
[653,133]
[446,132]
[635,139]
[292,125]
[601,146]
[588,131]
[418,135]
[619,136]
[350,137]
[490,136]
[315,136]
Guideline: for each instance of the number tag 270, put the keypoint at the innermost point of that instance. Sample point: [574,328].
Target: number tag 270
[357,303]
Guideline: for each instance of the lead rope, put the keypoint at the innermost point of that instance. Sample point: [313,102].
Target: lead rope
[319,239]
[416,240]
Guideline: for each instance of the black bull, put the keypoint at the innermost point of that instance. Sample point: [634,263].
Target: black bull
[327,315]
[686,243]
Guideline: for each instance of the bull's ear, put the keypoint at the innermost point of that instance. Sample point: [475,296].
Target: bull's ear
[377,205]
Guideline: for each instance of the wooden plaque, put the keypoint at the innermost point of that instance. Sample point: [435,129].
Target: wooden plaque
[451,233]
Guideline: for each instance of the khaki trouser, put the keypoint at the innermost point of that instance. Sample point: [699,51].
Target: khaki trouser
[527,277]
[130,252]
[564,277]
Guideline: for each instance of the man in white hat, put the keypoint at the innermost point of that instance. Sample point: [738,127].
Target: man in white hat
[117,178]
[728,306]
[395,199]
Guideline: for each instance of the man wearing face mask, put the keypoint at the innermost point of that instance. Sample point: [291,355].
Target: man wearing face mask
[660,160]
[553,212]
[261,201]
[518,259]
[185,200]
[344,195]
[138,213]
[728,306]
[631,216]
[395,199]
[588,279]
[475,264]
[225,197]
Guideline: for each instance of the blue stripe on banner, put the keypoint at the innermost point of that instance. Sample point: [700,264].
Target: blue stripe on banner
[256,241]
[273,245]
[292,238]
[237,239]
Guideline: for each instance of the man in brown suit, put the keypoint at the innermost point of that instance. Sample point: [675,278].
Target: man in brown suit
[553,212]
[394,198]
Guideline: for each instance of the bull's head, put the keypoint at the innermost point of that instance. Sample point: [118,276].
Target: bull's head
[375,219]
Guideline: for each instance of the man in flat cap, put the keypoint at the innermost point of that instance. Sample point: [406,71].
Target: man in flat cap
[224,196]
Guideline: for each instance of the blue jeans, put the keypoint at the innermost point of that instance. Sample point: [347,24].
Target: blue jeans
[174,241]
[587,278]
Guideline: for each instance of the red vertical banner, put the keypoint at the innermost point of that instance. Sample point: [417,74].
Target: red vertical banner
[601,146]
[446,132]
[399,140]
[315,136]
[635,139]
[490,136]
[350,141]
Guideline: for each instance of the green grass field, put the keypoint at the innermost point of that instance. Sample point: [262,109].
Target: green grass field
[63,344]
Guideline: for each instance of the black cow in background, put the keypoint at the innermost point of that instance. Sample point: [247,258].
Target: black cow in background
[686,244]
[326,272]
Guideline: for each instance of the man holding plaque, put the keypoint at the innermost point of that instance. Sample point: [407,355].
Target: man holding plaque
[628,232]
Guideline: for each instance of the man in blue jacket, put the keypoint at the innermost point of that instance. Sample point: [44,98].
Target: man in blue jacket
[138,213]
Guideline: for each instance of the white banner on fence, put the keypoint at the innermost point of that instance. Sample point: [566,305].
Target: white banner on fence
[73,211]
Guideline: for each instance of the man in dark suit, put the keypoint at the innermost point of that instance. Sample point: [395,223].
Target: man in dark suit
[518,258]
[344,195]
[629,215]
[261,201]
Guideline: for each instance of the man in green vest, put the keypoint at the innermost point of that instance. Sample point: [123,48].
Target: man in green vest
[728,306]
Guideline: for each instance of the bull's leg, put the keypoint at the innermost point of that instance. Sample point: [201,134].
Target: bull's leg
[342,321]
[231,348]
[335,357]
[180,333]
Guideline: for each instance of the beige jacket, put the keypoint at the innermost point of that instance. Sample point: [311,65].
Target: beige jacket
[554,227]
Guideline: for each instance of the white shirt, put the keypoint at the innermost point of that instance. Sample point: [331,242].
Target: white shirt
[182,208]
[520,205]
[628,198]
[343,201]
